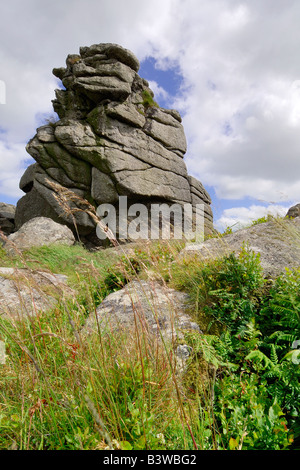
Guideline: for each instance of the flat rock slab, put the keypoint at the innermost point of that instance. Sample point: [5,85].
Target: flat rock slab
[156,309]
[24,292]
[277,242]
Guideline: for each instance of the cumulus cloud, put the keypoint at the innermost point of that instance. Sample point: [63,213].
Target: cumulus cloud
[242,99]
[159,92]
[239,217]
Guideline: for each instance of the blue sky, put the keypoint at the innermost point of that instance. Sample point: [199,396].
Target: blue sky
[230,67]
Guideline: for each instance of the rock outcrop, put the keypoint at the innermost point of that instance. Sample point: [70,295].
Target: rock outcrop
[7,218]
[277,242]
[112,140]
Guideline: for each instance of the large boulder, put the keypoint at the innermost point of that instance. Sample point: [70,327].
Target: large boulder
[38,232]
[112,140]
[277,242]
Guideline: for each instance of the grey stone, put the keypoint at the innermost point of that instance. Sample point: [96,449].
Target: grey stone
[77,170]
[167,130]
[33,205]
[113,51]
[99,88]
[6,226]
[135,142]
[103,188]
[293,211]
[154,183]
[184,351]
[25,292]
[7,219]
[46,133]
[198,189]
[127,113]
[75,133]
[38,232]
[26,182]
[81,221]
[160,312]
[276,242]
[7,211]
[111,140]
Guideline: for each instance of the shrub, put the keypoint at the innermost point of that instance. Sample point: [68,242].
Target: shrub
[253,352]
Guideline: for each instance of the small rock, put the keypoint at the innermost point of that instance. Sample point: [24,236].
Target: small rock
[7,218]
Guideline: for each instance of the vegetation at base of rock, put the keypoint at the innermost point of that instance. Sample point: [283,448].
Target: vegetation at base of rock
[240,390]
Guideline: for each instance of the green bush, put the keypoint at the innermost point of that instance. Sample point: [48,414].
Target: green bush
[253,352]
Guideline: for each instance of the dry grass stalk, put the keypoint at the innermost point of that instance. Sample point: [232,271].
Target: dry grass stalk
[64,196]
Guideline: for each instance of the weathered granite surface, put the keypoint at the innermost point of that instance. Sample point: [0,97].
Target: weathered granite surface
[158,312]
[24,292]
[111,140]
[39,231]
[277,242]
[7,218]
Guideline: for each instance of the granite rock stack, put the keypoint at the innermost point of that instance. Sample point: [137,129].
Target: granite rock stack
[111,140]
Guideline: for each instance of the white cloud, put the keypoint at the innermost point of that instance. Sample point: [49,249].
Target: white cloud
[239,217]
[242,97]
[11,160]
[159,91]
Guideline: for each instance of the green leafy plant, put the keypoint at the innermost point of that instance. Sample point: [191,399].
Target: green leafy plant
[262,220]
[148,101]
[254,352]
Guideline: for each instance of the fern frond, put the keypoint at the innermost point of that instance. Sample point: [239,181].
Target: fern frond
[273,355]
[261,358]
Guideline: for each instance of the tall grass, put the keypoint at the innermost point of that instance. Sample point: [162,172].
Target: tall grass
[63,389]
[60,390]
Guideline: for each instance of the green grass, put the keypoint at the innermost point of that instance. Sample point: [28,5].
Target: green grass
[148,100]
[60,389]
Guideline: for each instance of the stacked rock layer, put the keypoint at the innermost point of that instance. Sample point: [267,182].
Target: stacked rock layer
[112,140]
